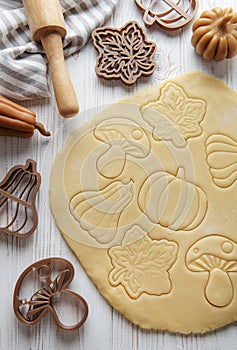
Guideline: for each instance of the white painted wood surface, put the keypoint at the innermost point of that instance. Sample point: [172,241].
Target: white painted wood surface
[105,328]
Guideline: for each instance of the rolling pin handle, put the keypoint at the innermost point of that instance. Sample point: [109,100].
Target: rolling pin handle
[63,88]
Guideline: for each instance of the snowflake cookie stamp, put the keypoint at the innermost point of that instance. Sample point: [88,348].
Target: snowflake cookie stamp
[124,53]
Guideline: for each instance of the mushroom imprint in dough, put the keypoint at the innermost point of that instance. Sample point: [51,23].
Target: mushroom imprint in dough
[216,255]
[125,138]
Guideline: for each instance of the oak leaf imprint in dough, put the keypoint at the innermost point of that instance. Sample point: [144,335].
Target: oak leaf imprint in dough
[124,138]
[190,293]
[216,255]
[98,212]
[172,201]
[174,116]
[221,151]
[142,266]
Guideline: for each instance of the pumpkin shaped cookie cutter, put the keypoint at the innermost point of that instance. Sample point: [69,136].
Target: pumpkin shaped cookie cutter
[168,14]
[46,282]
[18,189]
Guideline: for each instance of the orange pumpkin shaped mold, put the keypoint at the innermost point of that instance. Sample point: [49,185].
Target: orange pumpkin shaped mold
[215,34]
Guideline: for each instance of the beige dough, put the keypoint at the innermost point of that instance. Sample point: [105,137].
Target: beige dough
[145,194]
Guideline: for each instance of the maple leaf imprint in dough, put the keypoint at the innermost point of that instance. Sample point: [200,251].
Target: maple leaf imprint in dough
[142,266]
[124,53]
[174,116]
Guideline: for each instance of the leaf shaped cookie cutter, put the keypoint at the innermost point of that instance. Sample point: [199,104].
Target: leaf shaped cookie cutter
[124,53]
[18,192]
[30,311]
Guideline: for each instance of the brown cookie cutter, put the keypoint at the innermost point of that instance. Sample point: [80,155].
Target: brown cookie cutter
[52,276]
[124,53]
[18,189]
[168,14]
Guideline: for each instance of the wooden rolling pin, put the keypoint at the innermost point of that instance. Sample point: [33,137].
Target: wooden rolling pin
[47,26]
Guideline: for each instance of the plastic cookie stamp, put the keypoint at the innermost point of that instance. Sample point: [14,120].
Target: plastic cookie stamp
[42,288]
[18,189]
[168,14]
[124,53]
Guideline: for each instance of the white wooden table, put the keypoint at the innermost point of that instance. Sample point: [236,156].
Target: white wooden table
[105,328]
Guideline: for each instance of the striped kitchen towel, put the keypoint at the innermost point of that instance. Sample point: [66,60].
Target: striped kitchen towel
[23,66]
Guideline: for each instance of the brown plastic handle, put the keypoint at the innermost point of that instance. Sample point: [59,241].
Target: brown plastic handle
[63,88]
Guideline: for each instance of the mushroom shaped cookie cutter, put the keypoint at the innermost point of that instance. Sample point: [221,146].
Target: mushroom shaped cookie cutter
[48,279]
[216,255]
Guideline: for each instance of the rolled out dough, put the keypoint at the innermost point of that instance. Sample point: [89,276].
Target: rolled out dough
[145,195]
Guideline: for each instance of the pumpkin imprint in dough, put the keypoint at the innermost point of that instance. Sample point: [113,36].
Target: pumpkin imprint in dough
[221,151]
[172,201]
[216,255]
[142,266]
[174,116]
[98,212]
[124,138]
[148,243]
